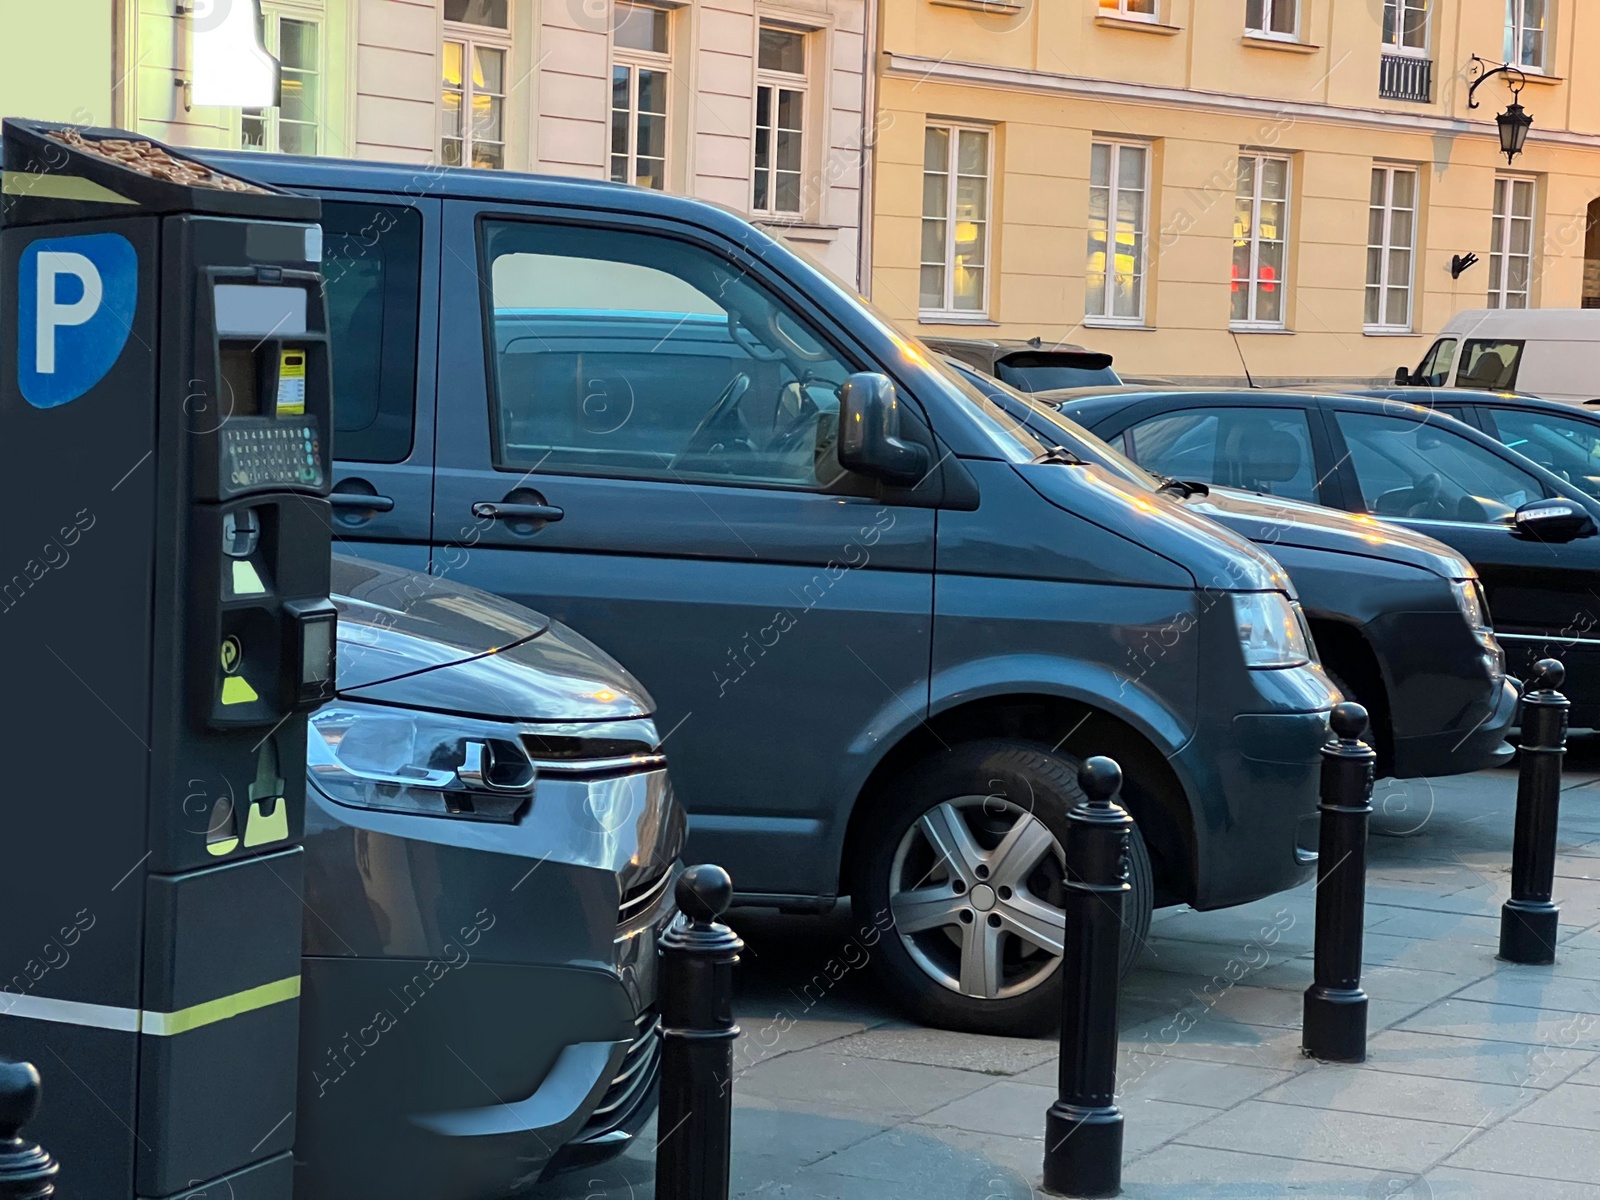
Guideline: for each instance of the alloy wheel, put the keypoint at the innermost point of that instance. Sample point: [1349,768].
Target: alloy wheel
[975,891]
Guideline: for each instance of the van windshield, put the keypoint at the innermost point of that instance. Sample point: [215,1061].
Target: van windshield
[1435,368]
[1048,422]
[1004,430]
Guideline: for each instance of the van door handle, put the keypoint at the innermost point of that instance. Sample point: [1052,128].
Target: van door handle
[361,501]
[499,510]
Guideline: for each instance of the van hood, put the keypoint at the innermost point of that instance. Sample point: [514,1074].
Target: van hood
[1278,522]
[1214,556]
[421,641]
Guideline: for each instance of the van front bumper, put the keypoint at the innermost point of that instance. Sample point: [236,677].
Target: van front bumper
[1257,777]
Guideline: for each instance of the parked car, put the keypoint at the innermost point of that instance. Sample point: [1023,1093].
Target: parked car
[883,623]
[1550,352]
[491,842]
[1561,438]
[1399,619]
[1530,534]
[1030,366]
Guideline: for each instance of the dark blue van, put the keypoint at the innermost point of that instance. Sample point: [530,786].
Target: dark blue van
[881,621]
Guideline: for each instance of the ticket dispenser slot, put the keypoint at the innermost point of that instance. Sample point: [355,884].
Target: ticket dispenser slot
[165,407]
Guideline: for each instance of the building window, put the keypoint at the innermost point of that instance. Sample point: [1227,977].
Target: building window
[294,125]
[1391,247]
[1118,214]
[781,75]
[1405,26]
[1528,34]
[955,220]
[477,44]
[1260,241]
[640,70]
[1511,242]
[1273,18]
[1133,10]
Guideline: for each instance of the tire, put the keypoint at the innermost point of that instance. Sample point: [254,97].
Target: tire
[937,970]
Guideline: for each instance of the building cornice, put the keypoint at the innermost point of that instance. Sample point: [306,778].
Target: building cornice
[1021,79]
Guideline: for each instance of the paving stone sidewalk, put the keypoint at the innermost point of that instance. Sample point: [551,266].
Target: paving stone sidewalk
[1483,1078]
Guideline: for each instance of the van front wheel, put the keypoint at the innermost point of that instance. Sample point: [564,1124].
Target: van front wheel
[963,852]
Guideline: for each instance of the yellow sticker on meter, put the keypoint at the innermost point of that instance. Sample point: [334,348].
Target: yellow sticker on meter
[292,383]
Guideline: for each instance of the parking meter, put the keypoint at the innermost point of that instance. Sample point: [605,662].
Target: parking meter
[166,627]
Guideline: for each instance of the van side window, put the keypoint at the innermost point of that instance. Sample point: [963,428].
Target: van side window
[641,356]
[1435,368]
[372,272]
[1489,364]
[1415,468]
[1265,450]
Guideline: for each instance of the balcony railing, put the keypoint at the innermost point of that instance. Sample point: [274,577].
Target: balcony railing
[1404,77]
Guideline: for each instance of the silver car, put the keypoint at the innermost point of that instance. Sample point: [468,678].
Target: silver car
[491,843]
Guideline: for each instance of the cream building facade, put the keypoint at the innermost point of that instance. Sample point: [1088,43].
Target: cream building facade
[754,104]
[757,105]
[1205,187]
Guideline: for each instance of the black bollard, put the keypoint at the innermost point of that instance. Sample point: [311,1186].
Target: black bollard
[26,1171]
[1334,1024]
[1528,921]
[1083,1128]
[694,1129]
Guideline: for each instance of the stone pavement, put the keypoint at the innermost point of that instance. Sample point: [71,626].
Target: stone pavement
[1483,1078]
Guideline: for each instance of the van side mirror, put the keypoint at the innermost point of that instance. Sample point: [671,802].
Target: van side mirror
[1558,520]
[1402,377]
[869,432]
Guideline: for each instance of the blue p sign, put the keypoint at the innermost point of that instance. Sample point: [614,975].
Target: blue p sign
[75,303]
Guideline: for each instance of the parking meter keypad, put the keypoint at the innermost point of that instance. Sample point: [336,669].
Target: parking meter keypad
[266,453]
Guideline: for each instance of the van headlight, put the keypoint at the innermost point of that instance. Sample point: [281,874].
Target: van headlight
[1270,631]
[1471,601]
[422,763]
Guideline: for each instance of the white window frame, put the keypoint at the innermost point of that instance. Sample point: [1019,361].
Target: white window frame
[1398,46]
[1269,9]
[1505,185]
[1384,283]
[1119,10]
[1142,268]
[950,313]
[1517,30]
[790,83]
[1251,322]
[273,17]
[635,60]
[471,38]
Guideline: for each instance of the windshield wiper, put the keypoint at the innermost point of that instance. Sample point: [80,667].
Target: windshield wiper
[1182,488]
[1060,455]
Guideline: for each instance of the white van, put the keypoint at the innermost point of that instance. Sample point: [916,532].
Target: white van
[1549,352]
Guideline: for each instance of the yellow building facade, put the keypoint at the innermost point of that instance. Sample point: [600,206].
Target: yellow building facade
[1208,187]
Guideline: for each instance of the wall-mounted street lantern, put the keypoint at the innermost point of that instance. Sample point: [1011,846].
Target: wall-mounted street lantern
[1515,122]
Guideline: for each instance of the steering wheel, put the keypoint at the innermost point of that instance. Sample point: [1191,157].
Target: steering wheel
[1427,500]
[725,403]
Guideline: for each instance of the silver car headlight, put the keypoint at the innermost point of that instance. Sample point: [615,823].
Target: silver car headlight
[422,763]
[1270,631]
[1471,601]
